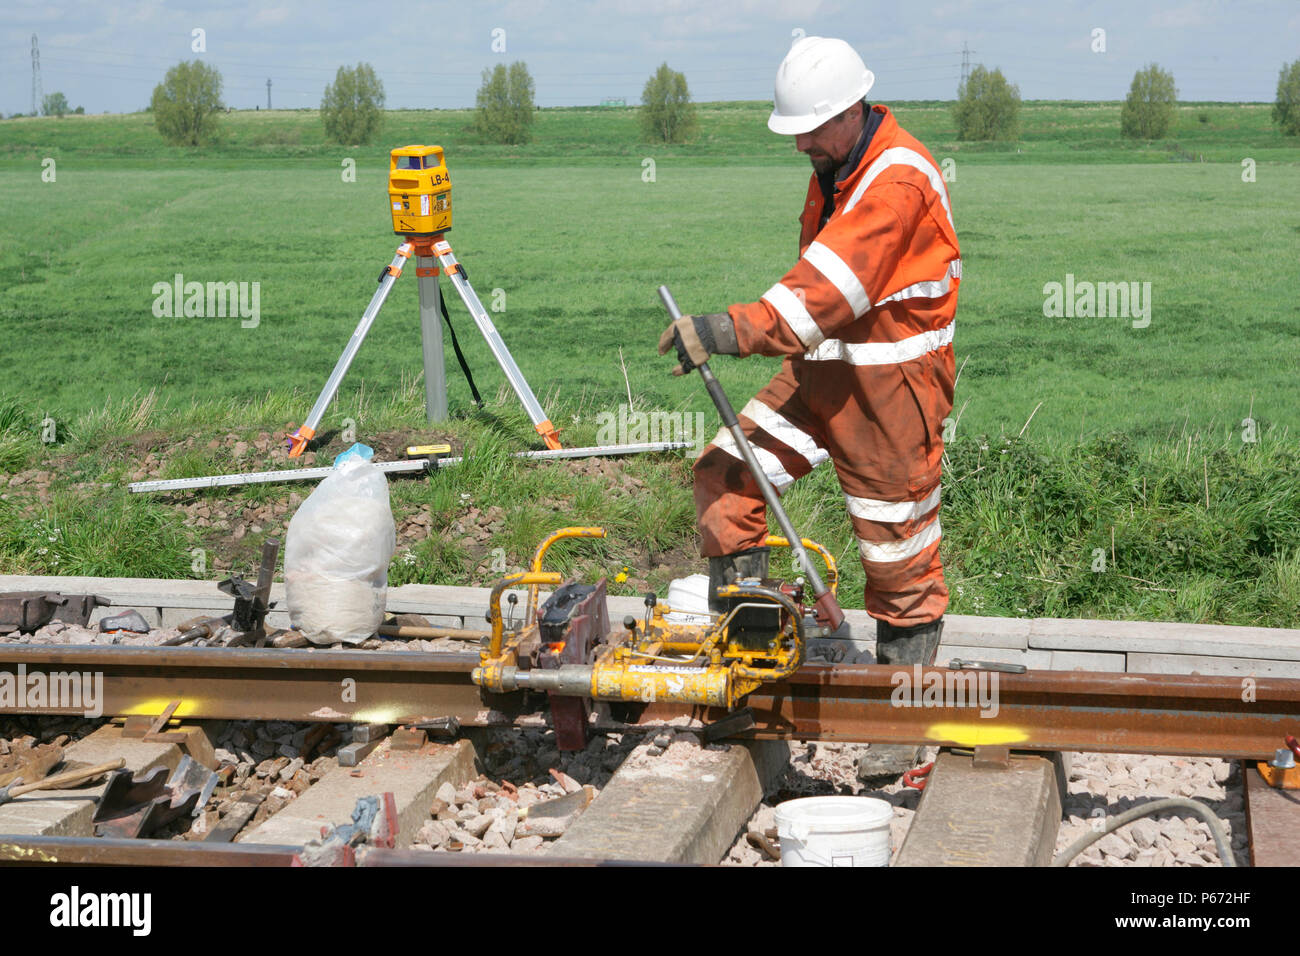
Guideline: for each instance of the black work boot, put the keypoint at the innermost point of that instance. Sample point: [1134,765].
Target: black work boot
[730,568]
[883,764]
[908,645]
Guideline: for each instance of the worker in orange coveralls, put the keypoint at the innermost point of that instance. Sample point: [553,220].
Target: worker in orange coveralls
[864,320]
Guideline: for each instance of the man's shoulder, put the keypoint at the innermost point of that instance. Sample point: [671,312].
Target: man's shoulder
[895,136]
[895,156]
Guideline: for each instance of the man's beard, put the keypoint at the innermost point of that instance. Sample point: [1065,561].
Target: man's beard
[823,165]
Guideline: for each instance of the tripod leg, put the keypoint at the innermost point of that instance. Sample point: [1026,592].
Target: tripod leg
[297,441]
[435,374]
[516,378]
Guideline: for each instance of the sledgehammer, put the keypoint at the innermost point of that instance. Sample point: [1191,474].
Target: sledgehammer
[827,609]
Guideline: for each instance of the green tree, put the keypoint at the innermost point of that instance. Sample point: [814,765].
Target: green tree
[1149,109]
[55,104]
[667,113]
[987,107]
[186,102]
[505,105]
[1286,111]
[352,107]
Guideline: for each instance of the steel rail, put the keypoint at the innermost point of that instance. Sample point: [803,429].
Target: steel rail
[380,687]
[1038,710]
[1192,715]
[104,851]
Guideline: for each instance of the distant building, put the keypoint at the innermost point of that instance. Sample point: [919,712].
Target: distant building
[614,101]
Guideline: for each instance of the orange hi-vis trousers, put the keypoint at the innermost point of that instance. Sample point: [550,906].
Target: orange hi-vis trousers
[895,514]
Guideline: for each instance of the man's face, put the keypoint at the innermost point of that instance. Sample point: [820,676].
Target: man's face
[829,145]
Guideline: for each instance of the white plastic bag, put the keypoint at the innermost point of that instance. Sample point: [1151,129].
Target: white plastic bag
[336,556]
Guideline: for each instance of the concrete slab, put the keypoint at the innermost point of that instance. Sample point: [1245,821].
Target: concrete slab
[68,812]
[133,592]
[469,604]
[661,810]
[986,816]
[1271,816]
[463,606]
[970,631]
[1037,659]
[413,777]
[1153,637]
[1142,663]
[1000,655]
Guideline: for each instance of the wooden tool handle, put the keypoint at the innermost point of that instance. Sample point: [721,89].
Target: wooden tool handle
[69,777]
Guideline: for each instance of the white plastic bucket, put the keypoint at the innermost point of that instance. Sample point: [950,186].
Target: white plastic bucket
[689,599]
[834,831]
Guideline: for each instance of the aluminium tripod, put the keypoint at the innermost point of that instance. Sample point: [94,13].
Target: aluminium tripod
[426,249]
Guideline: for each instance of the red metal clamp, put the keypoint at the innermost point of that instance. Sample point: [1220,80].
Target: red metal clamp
[916,777]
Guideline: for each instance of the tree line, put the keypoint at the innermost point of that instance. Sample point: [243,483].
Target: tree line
[988,106]
[187,103]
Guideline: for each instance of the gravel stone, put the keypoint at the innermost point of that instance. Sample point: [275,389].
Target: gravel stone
[434,834]
[1112,844]
[1144,833]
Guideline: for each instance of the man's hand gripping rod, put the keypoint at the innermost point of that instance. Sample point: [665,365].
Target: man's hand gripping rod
[826,607]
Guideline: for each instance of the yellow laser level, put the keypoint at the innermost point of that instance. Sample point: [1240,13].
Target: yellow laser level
[419,191]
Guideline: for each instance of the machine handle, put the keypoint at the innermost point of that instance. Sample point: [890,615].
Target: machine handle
[828,611]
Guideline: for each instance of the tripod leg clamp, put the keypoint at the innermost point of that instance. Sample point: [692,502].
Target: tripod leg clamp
[297,442]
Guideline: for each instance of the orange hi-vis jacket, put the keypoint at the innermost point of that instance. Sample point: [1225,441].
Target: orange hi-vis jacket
[865,320]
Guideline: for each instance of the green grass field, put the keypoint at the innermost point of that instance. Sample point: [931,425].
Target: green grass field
[577,242]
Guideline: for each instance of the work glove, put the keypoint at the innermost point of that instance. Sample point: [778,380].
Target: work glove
[697,337]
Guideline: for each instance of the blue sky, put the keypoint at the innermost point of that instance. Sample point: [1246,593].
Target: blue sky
[108,56]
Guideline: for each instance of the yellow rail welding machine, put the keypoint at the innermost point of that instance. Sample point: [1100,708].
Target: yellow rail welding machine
[419,190]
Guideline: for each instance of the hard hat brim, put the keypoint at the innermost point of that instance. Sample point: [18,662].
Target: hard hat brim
[792,125]
[807,122]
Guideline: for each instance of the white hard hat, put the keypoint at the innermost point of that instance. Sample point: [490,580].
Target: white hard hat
[819,78]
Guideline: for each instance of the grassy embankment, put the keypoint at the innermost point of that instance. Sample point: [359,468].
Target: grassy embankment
[576,239]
